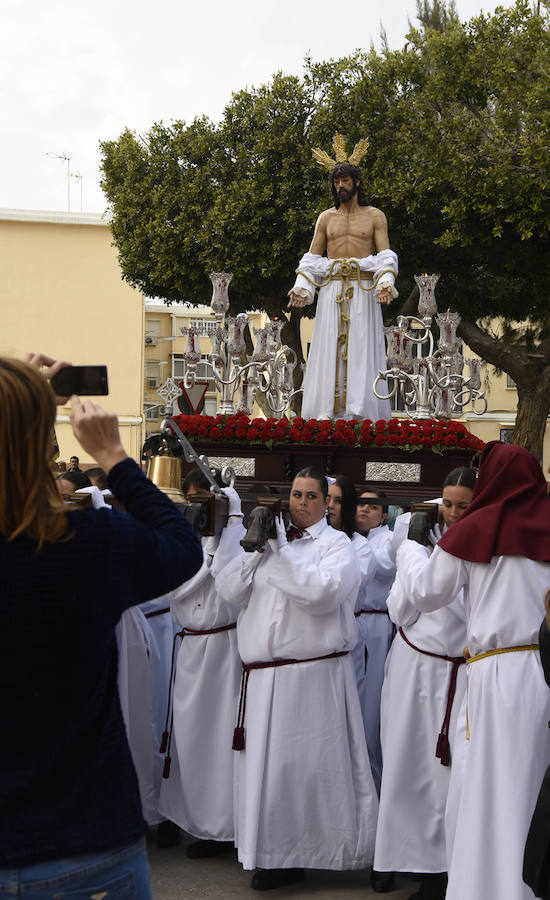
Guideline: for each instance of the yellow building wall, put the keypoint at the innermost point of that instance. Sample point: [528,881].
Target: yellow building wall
[62,293]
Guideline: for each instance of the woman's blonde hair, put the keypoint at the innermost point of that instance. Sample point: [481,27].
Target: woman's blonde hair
[30,504]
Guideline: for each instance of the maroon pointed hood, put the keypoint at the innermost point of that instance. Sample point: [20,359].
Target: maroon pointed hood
[510,512]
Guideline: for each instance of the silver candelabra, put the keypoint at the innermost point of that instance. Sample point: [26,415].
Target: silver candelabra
[433,383]
[269,369]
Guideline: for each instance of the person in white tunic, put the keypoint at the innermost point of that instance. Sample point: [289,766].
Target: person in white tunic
[347,348]
[341,514]
[197,788]
[341,509]
[421,698]
[375,628]
[499,555]
[305,797]
[144,636]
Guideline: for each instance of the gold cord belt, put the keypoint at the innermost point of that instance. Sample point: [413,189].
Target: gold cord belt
[485,655]
[346,271]
[349,270]
[499,650]
[351,276]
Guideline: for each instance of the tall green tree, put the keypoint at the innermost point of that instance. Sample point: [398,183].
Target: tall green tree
[436,14]
[237,196]
[481,170]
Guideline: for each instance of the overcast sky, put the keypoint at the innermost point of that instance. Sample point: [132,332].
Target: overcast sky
[72,74]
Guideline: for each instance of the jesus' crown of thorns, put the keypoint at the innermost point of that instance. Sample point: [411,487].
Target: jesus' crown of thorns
[339,145]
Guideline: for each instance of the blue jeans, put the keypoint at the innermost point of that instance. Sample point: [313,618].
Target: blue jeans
[119,874]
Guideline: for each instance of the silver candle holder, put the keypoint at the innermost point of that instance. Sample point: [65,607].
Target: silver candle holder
[432,383]
[269,370]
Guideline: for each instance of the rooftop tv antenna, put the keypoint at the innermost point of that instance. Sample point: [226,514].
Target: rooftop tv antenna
[64,158]
[78,177]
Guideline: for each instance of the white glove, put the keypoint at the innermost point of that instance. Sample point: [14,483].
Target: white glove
[98,499]
[210,545]
[280,528]
[435,534]
[234,501]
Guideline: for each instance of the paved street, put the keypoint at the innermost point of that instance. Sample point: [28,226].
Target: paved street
[175,877]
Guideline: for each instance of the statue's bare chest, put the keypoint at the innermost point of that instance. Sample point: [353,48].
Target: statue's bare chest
[357,228]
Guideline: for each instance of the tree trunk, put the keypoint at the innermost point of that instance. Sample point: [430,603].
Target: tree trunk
[532,378]
[531,375]
[532,414]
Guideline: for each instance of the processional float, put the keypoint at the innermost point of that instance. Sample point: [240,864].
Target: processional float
[428,379]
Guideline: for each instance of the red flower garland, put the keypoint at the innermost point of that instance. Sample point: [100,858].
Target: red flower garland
[416,434]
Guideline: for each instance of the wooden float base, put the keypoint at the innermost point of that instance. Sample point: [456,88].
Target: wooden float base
[403,475]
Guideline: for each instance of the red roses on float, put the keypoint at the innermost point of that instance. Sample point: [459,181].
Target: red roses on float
[416,434]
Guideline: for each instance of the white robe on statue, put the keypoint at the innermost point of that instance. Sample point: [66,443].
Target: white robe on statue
[366,343]
[304,793]
[375,632]
[502,763]
[411,826]
[144,636]
[198,794]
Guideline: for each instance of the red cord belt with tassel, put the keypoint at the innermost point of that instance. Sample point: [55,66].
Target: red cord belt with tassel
[443,748]
[238,734]
[169,723]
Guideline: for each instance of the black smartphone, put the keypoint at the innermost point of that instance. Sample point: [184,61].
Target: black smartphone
[81,380]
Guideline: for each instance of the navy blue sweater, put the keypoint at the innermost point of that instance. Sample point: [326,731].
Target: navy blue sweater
[67,781]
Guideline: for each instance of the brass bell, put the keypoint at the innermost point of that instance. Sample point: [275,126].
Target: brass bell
[165,472]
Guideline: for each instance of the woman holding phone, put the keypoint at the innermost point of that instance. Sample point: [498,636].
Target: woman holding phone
[71,823]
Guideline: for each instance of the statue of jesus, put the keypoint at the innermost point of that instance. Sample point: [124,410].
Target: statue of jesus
[354,279]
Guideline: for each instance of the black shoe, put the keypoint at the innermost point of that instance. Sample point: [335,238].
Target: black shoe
[268,879]
[382,882]
[432,887]
[204,849]
[168,834]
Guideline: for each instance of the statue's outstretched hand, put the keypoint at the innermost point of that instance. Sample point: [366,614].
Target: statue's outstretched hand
[385,296]
[296,300]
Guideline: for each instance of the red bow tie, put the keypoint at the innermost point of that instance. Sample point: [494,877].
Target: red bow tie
[294,533]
